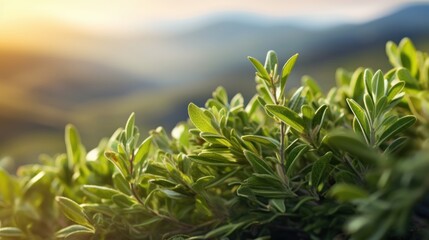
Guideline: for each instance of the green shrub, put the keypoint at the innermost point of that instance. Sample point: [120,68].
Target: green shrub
[349,164]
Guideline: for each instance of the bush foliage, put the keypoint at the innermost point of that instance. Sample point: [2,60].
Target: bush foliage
[296,164]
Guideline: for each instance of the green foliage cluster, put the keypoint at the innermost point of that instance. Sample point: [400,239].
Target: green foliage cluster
[298,164]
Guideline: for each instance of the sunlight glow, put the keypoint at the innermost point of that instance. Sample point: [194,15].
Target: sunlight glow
[117,15]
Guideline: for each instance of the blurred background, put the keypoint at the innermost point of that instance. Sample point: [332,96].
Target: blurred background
[92,63]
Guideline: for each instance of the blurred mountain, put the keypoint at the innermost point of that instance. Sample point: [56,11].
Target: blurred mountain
[96,80]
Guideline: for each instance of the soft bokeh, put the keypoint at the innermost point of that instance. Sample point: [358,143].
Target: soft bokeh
[92,63]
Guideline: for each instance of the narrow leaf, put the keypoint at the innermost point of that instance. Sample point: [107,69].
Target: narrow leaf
[69,230]
[73,211]
[369,105]
[214,160]
[393,54]
[346,192]
[319,169]
[11,232]
[99,191]
[200,119]
[408,56]
[271,61]
[223,231]
[143,150]
[399,126]
[404,75]
[307,114]
[395,90]
[378,86]
[361,117]
[312,84]
[149,221]
[260,68]
[129,126]
[367,77]
[278,204]
[293,157]
[319,117]
[258,164]
[123,201]
[288,116]
[347,141]
[287,68]
[73,147]
[264,141]
[396,145]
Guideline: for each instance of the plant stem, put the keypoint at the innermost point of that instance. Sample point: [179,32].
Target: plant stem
[282,143]
[348,161]
[141,202]
[281,170]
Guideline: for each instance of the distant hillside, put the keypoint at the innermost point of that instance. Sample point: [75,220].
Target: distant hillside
[95,82]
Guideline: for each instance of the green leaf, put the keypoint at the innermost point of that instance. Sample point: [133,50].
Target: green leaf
[379,86]
[212,159]
[271,61]
[396,145]
[302,201]
[201,183]
[123,201]
[220,180]
[361,117]
[367,77]
[342,77]
[119,163]
[393,54]
[143,151]
[381,106]
[7,187]
[73,229]
[344,192]
[347,141]
[100,191]
[319,170]
[408,56]
[173,194]
[312,84]
[258,164]
[278,204]
[237,102]
[201,120]
[395,91]
[404,75]
[288,116]
[147,222]
[319,117]
[369,105]
[307,114]
[286,70]
[223,231]
[129,127]
[399,126]
[73,146]
[294,156]
[163,182]
[33,181]
[260,68]
[11,232]
[221,95]
[264,141]
[296,100]
[73,211]
[357,85]
[215,139]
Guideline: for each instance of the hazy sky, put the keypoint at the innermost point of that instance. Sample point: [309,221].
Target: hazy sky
[129,14]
